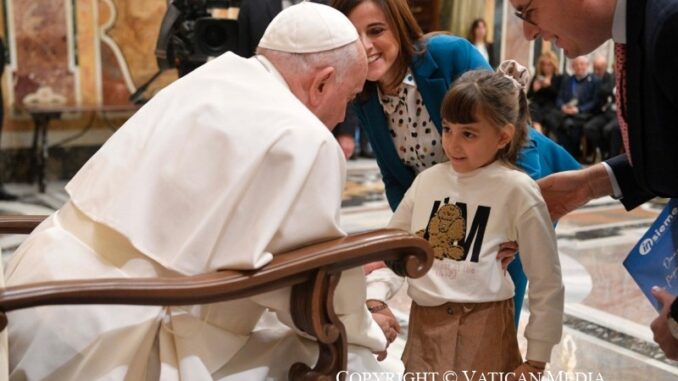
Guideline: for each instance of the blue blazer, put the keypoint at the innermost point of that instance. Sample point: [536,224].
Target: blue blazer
[443,61]
[651,103]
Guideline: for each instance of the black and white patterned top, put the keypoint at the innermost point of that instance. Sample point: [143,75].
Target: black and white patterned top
[414,134]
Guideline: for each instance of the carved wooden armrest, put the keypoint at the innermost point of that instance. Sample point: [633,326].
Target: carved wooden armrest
[19,224]
[312,271]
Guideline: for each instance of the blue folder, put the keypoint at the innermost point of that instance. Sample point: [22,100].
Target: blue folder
[653,261]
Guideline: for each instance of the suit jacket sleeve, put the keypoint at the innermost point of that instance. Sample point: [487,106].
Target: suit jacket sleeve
[632,193]
[664,64]
[666,59]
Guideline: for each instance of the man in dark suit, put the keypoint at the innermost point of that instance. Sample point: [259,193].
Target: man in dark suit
[645,33]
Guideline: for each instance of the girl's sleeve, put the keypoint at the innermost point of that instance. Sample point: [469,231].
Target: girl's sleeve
[383,283]
[546,293]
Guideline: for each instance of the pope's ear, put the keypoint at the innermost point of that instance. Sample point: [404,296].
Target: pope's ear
[319,84]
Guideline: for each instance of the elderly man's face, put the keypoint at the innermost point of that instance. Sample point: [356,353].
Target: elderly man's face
[341,91]
[580,66]
[576,26]
[599,68]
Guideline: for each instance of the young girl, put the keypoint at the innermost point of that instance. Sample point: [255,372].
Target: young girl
[462,310]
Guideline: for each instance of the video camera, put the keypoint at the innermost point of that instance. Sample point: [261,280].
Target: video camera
[190,33]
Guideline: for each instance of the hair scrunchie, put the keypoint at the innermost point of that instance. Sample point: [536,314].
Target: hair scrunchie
[516,72]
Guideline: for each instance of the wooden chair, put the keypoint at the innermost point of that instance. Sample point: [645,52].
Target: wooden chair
[312,271]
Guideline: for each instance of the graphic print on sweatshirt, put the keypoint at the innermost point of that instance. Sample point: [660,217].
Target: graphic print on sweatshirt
[446,231]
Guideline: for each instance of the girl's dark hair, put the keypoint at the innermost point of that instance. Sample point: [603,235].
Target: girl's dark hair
[497,99]
[471,36]
[403,24]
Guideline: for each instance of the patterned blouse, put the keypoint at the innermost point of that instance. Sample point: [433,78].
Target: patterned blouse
[414,134]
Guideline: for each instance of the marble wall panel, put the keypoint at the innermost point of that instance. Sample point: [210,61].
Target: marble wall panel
[41,39]
[85,52]
[129,31]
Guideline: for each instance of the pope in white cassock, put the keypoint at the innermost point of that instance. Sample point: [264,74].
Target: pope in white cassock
[227,165]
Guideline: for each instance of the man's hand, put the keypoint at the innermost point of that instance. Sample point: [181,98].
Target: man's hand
[388,324]
[660,328]
[566,191]
[507,253]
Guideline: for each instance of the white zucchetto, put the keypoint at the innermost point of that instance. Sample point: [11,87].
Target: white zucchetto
[308,28]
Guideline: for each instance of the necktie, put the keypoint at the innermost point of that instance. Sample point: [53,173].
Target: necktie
[619,70]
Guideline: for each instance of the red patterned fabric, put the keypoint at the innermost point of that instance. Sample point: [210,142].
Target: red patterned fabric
[619,70]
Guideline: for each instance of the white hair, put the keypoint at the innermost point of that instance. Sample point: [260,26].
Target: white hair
[343,59]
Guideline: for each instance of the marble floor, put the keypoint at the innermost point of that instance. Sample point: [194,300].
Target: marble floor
[606,332]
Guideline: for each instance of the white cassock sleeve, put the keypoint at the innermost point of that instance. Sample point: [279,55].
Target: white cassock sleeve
[315,211]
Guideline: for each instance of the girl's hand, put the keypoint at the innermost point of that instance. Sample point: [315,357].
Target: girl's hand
[368,268]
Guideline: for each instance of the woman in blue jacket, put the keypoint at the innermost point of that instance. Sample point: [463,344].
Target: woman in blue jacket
[399,108]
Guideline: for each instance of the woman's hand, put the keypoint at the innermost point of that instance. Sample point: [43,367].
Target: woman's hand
[507,253]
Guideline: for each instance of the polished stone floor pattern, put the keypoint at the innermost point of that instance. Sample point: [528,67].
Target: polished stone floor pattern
[606,332]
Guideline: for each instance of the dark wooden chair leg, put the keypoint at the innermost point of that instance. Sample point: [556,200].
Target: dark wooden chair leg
[313,312]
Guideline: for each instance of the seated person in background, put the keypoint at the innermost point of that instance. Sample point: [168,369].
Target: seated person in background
[193,184]
[576,100]
[543,92]
[477,35]
[602,128]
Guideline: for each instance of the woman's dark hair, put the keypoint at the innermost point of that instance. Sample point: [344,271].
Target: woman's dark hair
[405,29]
[497,99]
[471,36]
